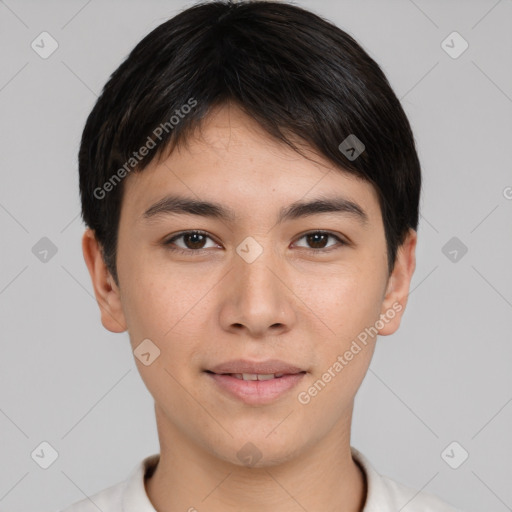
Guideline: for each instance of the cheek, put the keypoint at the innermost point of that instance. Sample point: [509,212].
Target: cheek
[154,297]
[161,307]
[346,300]
[162,310]
[349,304]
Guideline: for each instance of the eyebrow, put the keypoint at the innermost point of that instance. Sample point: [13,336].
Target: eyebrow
[179,205]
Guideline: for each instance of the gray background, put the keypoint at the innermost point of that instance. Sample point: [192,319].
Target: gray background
[444,376]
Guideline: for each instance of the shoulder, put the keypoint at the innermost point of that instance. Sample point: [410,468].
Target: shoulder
[107,500]
[411,500]
[385,494]
[128,495]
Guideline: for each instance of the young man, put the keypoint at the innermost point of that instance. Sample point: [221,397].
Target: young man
[251,186]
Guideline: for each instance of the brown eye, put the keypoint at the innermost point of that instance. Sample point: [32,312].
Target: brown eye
[193,241]
[318,239]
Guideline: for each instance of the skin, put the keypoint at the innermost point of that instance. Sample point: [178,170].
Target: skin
[295,302]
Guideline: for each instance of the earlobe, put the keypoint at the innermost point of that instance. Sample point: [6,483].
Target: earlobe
[106,292]
[397,290]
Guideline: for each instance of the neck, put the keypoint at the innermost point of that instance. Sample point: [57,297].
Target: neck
[323,477]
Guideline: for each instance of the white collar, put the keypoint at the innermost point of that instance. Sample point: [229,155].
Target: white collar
[383,494]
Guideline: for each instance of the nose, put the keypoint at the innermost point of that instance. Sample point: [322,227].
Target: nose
[257,297]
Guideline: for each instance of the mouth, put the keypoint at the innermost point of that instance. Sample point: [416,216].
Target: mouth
[255,383]
[254,376]
[274,367]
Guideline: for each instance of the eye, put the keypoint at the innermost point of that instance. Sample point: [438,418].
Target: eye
[194,241]
[317,239]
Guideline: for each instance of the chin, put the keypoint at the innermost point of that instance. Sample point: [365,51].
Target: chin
[256,450]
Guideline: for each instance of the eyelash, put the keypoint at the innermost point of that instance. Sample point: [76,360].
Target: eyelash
[180,250]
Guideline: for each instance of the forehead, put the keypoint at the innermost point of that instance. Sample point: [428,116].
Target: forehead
[231,159]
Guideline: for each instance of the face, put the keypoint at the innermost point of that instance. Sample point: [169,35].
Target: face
[299,290]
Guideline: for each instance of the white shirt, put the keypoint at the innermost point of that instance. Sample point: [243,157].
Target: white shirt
[384,494]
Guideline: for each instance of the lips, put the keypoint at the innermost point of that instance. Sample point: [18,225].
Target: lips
[273,367]
[255,376]
[255,383]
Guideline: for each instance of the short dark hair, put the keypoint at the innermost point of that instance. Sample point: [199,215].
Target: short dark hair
[294,72]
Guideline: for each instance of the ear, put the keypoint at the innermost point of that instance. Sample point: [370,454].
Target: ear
[106,291]
[397,289]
